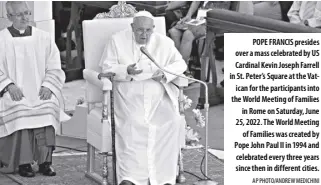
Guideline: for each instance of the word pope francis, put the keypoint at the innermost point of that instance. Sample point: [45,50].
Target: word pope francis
[148,123]
[31,80]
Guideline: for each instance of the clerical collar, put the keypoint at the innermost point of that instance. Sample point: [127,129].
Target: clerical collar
[141,45]
[18,33]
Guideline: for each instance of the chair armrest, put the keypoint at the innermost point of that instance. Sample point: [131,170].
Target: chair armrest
[91,77]
[180,82]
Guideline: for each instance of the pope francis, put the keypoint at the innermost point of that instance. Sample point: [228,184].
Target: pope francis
[31,80]
[148,124]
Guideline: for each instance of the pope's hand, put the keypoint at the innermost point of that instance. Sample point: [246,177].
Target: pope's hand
[158,76]
[45,93]
[15,92]
[132,70]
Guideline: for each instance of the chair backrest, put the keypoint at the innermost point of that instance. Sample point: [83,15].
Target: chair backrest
[96,33]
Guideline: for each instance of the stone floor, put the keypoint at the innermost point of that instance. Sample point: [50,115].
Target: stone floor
[71,171]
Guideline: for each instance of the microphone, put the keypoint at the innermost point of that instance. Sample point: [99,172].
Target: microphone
[145,52]
[206,105]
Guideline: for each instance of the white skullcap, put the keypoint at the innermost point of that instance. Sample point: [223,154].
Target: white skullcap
[144,14]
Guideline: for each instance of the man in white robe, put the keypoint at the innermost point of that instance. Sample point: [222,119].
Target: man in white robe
[306,13]
[148,123]
[31,80]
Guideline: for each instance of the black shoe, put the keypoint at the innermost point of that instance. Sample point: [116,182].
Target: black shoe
[126,182]
[222,83]
[199,106]
[46,169]
[214,99]
[25,170]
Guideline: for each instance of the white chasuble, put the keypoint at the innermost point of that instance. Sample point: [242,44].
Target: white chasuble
[30,62]
[149,127]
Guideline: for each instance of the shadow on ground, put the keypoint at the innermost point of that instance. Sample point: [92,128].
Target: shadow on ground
[71,170]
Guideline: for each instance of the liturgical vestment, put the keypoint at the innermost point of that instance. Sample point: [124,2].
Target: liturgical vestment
[29,62]
[149,127]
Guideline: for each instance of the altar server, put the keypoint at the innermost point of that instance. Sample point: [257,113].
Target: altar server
[31,80]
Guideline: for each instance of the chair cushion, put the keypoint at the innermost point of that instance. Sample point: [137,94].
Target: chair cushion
[96,34]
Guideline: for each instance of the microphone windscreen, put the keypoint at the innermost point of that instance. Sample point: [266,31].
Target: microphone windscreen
[143,49]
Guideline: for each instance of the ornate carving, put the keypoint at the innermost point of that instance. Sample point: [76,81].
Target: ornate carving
[105,169]
[105,112]
[120,10]
[181,107]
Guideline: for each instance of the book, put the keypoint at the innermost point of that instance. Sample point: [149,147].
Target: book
[196,22]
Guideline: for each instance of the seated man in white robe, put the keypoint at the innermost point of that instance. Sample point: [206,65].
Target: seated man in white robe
[306,13]
[31,80]
[148,123]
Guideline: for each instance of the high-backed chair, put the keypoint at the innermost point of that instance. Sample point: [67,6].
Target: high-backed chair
[96,34]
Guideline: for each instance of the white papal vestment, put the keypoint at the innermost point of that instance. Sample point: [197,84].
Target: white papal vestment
[30,62]
[149,127]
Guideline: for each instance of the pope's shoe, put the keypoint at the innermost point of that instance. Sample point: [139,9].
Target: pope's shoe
[46,169]
[25,170]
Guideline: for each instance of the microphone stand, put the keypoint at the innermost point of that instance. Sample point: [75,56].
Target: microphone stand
[206,107]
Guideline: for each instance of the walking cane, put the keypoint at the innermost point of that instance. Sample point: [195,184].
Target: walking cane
[113,129]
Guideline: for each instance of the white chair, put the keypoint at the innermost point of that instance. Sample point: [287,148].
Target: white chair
[95,35]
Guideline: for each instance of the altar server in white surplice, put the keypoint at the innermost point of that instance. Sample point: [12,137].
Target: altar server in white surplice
[31,80]
[148,124]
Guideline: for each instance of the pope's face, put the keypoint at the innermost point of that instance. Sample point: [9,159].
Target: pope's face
[19,14]
[143,29]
